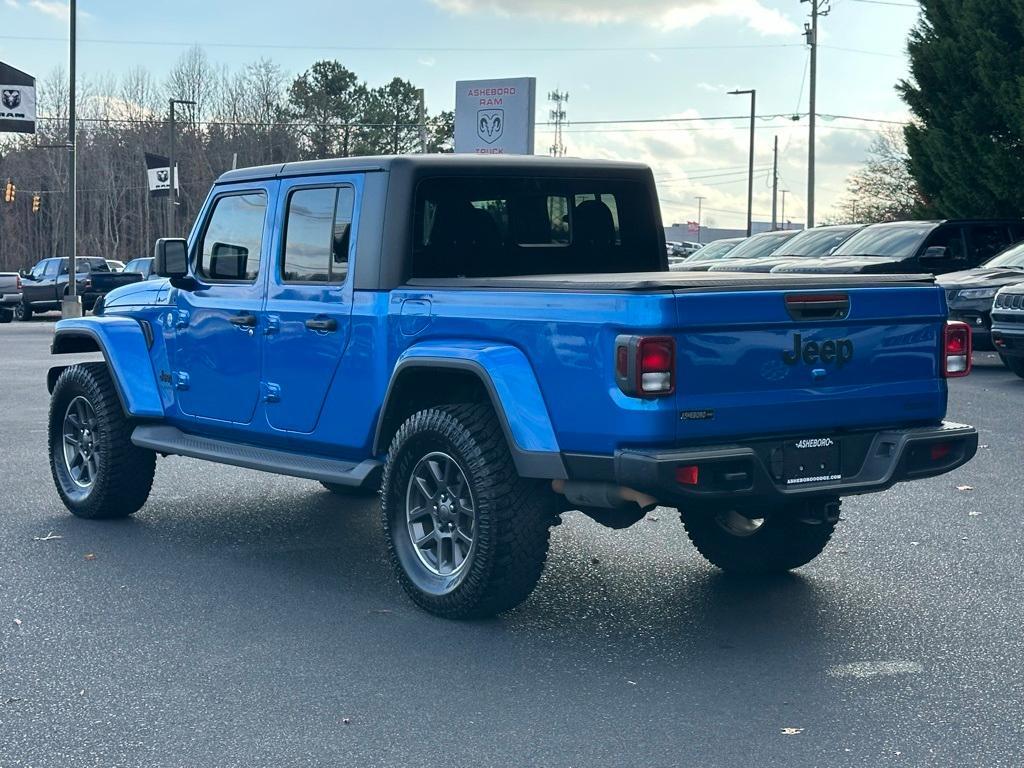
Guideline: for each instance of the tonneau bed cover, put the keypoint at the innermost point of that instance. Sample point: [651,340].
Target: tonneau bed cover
[674,281]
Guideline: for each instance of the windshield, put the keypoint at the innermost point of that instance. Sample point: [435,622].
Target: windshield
[815,242]
[760,245]
[896,240]
[1011,258]
[713,251]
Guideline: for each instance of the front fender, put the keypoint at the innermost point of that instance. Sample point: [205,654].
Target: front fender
[125,347]
[515,394]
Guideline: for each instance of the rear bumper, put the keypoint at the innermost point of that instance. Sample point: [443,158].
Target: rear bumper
[10,299]
[872,461]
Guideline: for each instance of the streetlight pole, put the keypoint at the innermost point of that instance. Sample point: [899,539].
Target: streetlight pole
[71,305]
[818,8]
[700,205]
[171,191]
[750,169]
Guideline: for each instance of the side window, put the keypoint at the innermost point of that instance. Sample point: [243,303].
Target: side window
[39,270]
[987,240]
[317,235]
[53,266]
[233,239]
[952,239]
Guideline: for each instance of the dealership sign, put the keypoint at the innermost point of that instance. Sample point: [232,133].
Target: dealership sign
[158,172]
[495,117]
[17,100]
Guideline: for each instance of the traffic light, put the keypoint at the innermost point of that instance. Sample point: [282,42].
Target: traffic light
[36,200]
[9,192]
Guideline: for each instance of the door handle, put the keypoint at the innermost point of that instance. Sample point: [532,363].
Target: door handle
[244,321]
[322,324]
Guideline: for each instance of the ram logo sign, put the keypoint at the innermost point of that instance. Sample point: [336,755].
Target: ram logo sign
[11,98]
[495,117]
[490,124]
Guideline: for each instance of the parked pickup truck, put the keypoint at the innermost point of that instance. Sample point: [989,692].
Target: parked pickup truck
[46,284]
[490,342]
[10,295]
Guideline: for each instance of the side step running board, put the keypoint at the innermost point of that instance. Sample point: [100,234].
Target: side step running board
[171,440]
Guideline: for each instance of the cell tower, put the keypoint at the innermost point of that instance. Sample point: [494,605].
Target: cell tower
[556,116]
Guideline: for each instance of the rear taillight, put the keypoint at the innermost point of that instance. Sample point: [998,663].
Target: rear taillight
[956,350]
[645,365]
[17,282]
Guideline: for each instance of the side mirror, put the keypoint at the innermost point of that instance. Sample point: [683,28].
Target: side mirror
[25,274]
[935,252]
[170,257]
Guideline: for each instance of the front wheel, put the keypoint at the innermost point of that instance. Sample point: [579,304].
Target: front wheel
[1015,364]
[467,536]
[23,312]
[780,541]
[98,472]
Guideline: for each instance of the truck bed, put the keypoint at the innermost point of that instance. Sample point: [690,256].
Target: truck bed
[657,282]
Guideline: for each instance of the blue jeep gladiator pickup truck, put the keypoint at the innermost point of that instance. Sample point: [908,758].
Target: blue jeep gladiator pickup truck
[493,341]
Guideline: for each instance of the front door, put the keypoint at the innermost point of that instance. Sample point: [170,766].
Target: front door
[221,323]
[309,299]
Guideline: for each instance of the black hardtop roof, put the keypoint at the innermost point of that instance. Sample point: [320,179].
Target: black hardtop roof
[511,164]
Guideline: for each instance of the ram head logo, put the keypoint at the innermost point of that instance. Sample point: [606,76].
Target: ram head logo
[11,98]
[163,175]
[490,124]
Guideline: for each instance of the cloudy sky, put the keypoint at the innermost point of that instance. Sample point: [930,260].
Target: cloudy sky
[618,59]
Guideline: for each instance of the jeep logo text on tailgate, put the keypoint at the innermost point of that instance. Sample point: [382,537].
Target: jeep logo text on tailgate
[838,351]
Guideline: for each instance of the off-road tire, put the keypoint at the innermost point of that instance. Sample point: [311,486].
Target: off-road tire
[785,540]
[513,515]
[351,491]
[124,474]
[23,312]
[6,315]
[1015,364]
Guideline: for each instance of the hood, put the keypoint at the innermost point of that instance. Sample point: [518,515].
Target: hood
[137,294]
[694,266]
[981,277]
[766,264]
[846,265]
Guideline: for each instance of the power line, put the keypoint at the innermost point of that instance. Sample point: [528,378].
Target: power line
[889,2]
[399,48]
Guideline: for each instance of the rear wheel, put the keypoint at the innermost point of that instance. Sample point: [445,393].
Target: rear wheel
[1015,364]
[6,315]
[467,536]
[23,312]
[98,472]
[777,542]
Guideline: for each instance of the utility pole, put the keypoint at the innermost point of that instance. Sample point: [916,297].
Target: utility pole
[818,8]
[750,169]
[783,192]
[700,205]
[71,305]
[557,116]
[775,183]
[172,196]
[421,119]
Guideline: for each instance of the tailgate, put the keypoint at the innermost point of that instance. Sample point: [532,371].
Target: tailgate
[803,361]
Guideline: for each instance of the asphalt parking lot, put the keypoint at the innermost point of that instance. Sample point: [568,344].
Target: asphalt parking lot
[246,619]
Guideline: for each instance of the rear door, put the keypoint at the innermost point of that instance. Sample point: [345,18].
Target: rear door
[309,297]
[782,362]
[220,324]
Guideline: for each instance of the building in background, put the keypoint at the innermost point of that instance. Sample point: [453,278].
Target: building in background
[681,232]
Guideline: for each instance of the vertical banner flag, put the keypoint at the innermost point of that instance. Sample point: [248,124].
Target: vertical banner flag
[158,170]
[17,100]
[495,117]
